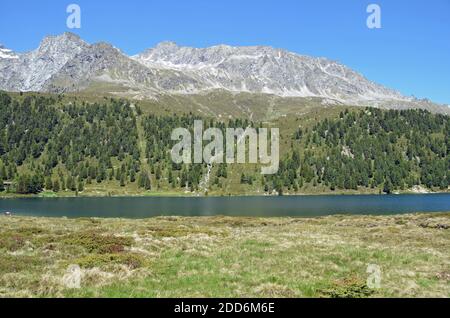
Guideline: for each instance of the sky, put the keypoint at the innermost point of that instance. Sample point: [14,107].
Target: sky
[410,52]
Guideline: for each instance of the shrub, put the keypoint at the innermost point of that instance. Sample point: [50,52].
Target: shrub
[98,243]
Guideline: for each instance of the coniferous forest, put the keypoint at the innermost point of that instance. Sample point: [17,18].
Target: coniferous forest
[49,144]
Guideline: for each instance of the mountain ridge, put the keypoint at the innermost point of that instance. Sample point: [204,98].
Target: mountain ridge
[66,63]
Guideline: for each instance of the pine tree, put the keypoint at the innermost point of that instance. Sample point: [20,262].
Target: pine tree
[3,174]
[71,185]
[387,188]
[80,185]
[56,186]
[144,181]
[122,180]
[48,183]
[63,183]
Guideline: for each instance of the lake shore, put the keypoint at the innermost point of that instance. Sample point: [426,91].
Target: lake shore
[226,256]
[97,194]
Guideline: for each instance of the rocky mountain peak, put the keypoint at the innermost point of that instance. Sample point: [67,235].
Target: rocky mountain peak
[66,63]
[61,43]
[167,45]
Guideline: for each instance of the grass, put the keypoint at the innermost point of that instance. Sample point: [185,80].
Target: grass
[226,257]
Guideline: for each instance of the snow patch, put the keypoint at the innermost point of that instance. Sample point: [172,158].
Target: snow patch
[7,54]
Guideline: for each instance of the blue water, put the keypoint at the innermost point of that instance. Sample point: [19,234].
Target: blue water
[297,206]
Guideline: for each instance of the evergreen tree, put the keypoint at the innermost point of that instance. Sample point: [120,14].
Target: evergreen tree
[387,188]
[56,186]
[144,181]
[80,185]
[48,183]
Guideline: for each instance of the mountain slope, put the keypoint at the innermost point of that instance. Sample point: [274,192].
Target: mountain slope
[65,63]
[102,63]
[30,71]
[266,70]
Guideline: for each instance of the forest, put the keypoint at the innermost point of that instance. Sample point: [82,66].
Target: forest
[49,144]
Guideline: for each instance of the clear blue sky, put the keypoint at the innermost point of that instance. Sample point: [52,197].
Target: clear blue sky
[411,52]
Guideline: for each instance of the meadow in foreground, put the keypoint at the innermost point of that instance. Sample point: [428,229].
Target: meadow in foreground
[226,257]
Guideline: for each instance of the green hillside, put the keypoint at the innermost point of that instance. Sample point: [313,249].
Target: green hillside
[55,145]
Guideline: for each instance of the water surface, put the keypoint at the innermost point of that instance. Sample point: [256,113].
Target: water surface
[297,206]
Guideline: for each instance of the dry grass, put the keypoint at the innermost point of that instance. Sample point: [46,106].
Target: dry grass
[226,257]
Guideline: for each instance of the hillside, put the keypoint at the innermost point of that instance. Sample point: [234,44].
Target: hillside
[67,145]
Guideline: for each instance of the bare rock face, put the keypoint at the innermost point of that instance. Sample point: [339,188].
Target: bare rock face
[266,70]
[29,71]
[102,63]
[67,63]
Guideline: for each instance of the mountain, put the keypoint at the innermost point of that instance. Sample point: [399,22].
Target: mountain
[102,63]
[262,69]
[66,63]
[30,71]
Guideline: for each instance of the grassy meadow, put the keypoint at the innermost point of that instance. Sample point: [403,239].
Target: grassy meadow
[226,257]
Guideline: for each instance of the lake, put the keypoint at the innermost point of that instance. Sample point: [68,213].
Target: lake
[295,206]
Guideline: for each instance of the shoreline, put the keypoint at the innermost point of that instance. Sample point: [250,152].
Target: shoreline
[53,195]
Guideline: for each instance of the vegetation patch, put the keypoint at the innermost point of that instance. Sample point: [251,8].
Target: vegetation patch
[132,260]
[438,226]
[19,263]
[246,221]
[14,240]
[178,231]
[348,288]
[98,243]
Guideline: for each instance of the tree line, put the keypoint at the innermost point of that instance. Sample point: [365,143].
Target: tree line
[49,144]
